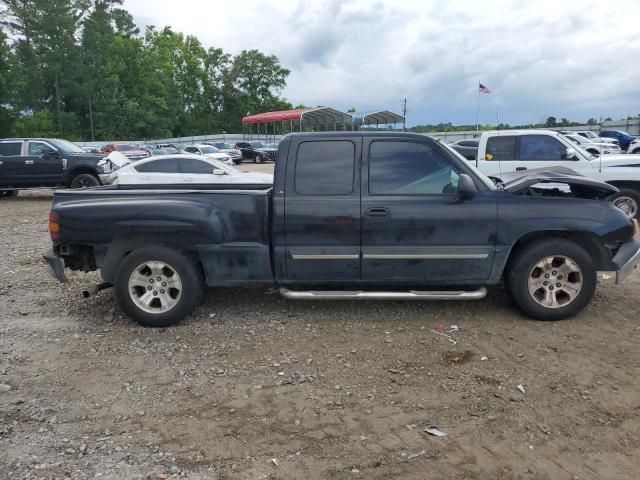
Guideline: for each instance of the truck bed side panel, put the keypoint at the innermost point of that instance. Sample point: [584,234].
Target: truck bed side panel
[229,230]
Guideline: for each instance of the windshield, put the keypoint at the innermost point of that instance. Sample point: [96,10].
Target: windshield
[257,144]
[590,135]
[223,145]
[272,145]
[209,150]
[486,180]
[125,148]
[67,147]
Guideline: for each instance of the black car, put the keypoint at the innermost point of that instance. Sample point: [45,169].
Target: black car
[467,148]
[351,215]
[257,151]
[45,162]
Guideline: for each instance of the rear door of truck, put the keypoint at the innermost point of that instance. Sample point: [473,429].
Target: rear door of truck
[322,209]
[12,167]
[415,227]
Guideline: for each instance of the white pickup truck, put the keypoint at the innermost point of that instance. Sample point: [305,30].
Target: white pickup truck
[504,151]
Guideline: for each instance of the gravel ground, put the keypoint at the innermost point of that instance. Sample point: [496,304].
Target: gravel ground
[254,386]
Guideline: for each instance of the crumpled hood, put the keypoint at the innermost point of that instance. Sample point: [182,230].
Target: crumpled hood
[518,182]
[116,158]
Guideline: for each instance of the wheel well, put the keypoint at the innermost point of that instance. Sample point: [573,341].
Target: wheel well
[79,171]
[589,241]
[626,184]
[120,248]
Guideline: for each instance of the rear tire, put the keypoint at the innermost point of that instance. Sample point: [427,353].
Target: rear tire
[152,302]
[551,279]
[627,200]
[84,180]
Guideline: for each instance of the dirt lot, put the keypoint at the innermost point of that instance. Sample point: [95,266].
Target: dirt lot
[255,386]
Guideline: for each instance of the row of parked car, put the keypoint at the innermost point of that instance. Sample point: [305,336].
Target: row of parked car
[255,151]
[49,162]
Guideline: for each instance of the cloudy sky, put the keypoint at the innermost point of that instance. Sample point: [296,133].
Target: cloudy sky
[573,59]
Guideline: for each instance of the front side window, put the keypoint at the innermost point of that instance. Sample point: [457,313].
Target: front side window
[190,165]
[38,148]
[409,168]
[501,148]
[165,165]
[10,148]
[541,147]
[325,168]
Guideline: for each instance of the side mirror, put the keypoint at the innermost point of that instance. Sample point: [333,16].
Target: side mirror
[50,153]
[217,171]
[466,188]
[571,154]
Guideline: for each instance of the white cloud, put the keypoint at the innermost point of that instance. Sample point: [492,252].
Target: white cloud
[574,59]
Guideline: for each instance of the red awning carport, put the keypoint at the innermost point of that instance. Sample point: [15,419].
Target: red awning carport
[318,117]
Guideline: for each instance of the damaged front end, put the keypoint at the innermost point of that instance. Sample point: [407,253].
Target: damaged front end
[110,164]
[555,182]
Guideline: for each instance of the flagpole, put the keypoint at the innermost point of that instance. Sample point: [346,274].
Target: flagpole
[478,110]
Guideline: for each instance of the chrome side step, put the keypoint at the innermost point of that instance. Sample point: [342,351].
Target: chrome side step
[363,295]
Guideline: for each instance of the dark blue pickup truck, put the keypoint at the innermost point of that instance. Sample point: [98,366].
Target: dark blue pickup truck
[350,216]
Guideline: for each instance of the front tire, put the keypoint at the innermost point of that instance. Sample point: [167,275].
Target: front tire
[257,159]
[627,200]
[84,180]
[551,279]
[157,286]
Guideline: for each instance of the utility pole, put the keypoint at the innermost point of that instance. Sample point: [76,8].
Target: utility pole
[404,115]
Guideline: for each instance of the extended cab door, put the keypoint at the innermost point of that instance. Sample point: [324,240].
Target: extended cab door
[322,210]
[11,162]
[415,227]
[43,164]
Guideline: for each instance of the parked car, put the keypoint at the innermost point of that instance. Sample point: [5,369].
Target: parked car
[624,139]
[153,150]
[596,148]
[181,169]
[589,135]
[351,215]
[634,146]
[256,151]
[501,152]
[467,148]
[131,151]
[236,154]
[209,152]
[45,162]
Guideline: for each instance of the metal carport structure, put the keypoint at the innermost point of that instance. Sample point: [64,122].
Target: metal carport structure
[381,117]
[316,119]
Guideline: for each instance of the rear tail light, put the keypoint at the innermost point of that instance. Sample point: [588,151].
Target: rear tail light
[54,226]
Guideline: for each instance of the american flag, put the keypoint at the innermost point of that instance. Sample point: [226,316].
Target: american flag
[484,89]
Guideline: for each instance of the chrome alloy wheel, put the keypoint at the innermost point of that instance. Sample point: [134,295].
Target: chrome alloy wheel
[155,287]
[555,281]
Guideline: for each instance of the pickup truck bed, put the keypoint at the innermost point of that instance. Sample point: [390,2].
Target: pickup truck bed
[228,228]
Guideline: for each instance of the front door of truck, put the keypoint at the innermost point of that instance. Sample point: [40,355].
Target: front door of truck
[43,164]
[415,227]
[322,210]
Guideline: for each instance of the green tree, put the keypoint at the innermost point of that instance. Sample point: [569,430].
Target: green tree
[551,122]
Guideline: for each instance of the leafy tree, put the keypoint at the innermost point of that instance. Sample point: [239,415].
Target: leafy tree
[40,124]
[551,122]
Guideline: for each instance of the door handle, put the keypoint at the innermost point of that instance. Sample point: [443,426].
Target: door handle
[519,169]
[28,162]
[187,179]
[144,177]
[377,212]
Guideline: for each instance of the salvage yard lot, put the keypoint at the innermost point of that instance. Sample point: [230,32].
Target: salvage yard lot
[255,386]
